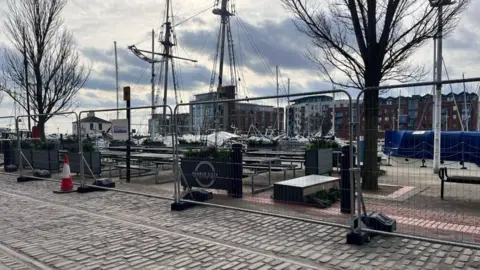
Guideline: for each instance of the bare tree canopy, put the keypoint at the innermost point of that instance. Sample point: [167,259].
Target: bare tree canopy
[370,42]
[54,72]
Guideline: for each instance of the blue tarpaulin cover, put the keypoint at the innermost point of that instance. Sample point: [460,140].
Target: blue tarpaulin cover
[455,145]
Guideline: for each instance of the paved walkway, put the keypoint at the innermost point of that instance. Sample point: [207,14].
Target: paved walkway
[111,230]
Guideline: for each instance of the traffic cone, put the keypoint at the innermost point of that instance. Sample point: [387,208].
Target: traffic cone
[67,181]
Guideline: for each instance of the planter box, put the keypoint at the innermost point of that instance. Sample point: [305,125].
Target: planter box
[45,159]
[13,157]
[209,173]
[93,160]
[319,161]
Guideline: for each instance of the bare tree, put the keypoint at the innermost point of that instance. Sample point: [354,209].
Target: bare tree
[55,74]
[370,42]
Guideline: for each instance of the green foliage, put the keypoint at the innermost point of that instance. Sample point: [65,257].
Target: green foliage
[183,141]
[71,145]
[331,195]
[36,145]
[211,152]
[117,143]
[322,144]
[151,142]
[261,143]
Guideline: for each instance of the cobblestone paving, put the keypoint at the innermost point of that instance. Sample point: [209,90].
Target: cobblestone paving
[277,239]
[7,262]
[64,239]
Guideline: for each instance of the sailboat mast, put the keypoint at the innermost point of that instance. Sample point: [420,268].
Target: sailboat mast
[398,110]
[224,14]
[278,102]
[166,43]
[152,133]
[333,111]
[465,114]
[116,77]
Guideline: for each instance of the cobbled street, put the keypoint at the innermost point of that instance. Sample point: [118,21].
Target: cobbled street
[113,230]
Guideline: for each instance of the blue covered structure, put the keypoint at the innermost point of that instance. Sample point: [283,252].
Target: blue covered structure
[455,145]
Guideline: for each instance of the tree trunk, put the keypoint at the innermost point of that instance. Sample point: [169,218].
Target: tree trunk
[370,167]
[41,127]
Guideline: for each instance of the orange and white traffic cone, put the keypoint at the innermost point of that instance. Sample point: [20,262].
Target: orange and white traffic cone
[67,181]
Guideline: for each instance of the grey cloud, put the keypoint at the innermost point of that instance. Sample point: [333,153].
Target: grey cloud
[134,70]
[278,43]
[462,39]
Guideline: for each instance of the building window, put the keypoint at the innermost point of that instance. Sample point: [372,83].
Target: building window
[454,126]
[454,117]
[91,126]
[454,108]
[386,118]
[100,127]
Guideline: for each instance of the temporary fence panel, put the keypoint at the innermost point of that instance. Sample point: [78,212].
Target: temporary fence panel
[8,143]
[151,146]
[268,176]
[40,158]
[409,189]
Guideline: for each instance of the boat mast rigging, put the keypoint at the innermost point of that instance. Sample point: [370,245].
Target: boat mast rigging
[167,57]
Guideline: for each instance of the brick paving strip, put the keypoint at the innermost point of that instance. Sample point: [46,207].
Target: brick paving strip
[309,243]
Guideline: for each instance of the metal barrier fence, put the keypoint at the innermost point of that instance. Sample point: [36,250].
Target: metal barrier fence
[411,195]
[6,149]
[45,158]
[147,154]
[90,163]
[424,206]
[276,183]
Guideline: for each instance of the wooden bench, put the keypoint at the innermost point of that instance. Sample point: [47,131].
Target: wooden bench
[251,174]
[162,162]
[273,167]
[444,177]
[292,160]
[140,169]
[260,168]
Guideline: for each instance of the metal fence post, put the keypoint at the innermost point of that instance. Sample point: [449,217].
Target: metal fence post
[80,150]
[19,147]
[346,186]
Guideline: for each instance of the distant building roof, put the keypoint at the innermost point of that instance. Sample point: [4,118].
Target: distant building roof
[319,98]
[91,118]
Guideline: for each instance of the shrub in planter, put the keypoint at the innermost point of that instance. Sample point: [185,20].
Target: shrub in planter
[262,144]
[150,142]
[191,143]
[114,143]
[319,157]
[324,198]
[92,158]
[39,154]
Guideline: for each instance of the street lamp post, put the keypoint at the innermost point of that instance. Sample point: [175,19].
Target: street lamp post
[438,91]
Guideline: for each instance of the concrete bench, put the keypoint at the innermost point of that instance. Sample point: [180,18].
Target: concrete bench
[295,190]
[444,177]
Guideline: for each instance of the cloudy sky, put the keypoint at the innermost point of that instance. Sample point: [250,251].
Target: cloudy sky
[259,27]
